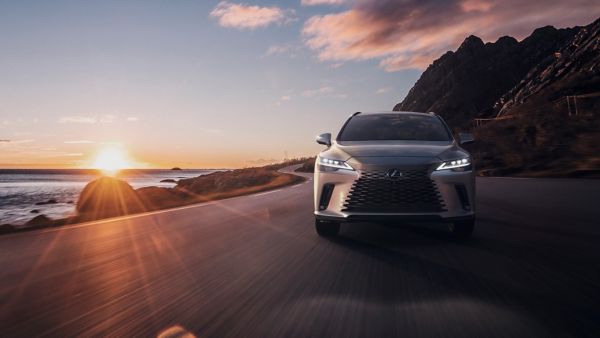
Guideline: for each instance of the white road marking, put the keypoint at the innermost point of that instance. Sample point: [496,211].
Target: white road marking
[268,192]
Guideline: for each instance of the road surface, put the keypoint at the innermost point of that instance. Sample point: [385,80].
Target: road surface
[253,266]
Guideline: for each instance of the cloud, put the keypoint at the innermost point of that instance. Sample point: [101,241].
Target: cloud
[78,119]
[133,119]
[290,49]
[22,141]
[412,33]
[105,119]
[78,142]
[383,90]
[319,91]
[283,99]
[321,2]
[476,5]
[243,16]
[324,91]
[277,49]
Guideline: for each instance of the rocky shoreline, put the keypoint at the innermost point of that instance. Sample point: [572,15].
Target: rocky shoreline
[107,197]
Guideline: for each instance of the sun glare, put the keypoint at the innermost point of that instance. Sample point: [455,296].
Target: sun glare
[111,160]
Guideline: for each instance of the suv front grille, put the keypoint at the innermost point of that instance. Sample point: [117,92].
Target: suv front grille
[412,191]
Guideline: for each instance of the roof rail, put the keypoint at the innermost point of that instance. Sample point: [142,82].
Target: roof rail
[356,113]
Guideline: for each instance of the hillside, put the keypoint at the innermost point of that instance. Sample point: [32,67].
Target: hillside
[465,84]
[573,70]
[545,90]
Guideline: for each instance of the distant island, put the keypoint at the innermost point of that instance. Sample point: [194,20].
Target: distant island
[176,168]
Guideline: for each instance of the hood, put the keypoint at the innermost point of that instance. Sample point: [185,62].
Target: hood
[395,148]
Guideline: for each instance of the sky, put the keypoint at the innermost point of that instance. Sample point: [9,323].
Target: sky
[223,84]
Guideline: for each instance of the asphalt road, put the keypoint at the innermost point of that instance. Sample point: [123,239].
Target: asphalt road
[253,266]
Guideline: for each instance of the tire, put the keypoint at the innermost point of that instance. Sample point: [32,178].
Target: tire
[463,229]
[327,228]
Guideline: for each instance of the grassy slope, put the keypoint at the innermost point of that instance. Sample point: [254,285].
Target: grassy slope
[216,186]
[542,139]
[308,166]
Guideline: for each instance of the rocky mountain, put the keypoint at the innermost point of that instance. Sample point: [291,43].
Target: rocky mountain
[543,93]
[465,84]
[573,71]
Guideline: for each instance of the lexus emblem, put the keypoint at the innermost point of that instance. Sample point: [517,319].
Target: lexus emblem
[394,174]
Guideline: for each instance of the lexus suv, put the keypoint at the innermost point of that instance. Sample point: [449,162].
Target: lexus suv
[394,166]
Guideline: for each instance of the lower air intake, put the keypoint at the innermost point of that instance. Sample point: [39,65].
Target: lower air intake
[408,192]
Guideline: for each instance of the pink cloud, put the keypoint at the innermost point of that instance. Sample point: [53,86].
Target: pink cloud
[411,34]
[319,91]
[242,16]
[476,5]
[383,90]
[321,2]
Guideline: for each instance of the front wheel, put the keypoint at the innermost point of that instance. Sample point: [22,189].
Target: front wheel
[463,229]
[327,228]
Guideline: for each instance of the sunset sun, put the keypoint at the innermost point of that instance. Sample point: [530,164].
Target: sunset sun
[110,160]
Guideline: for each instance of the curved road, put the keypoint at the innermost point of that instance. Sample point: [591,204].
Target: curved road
[253,266]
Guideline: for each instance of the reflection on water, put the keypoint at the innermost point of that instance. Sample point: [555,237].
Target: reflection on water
[27,193]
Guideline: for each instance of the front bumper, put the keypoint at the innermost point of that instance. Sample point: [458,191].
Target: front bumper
[383,218]
[455,190]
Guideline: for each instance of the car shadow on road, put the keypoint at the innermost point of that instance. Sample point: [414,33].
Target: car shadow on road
[480,268]
[400,234]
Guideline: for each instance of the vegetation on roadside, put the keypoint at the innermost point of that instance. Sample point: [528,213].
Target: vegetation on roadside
[543,143]
[308,166]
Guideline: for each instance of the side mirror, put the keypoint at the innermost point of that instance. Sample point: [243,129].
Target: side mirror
[324,139]
[466,138]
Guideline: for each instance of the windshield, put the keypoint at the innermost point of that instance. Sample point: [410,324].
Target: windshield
[394,127]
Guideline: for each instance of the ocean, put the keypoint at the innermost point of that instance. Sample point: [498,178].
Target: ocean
[24,193]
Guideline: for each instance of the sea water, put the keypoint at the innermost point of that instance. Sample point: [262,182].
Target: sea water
[24,193]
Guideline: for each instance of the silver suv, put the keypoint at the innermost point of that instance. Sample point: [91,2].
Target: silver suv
[394,166]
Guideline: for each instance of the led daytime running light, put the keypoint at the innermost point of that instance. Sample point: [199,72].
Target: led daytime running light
[454,164]
[334,163]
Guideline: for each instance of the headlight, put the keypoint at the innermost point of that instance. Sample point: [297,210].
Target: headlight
[456,165]
[333,165]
